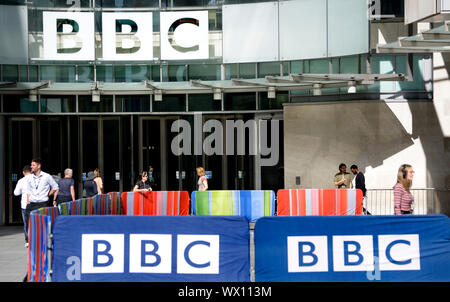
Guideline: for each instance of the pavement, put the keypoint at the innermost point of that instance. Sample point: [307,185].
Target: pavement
[13,254]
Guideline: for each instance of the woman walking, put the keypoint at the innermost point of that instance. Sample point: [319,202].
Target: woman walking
[403,199]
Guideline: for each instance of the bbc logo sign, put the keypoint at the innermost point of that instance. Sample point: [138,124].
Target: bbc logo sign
[125,36]
[353,253]
[150,253]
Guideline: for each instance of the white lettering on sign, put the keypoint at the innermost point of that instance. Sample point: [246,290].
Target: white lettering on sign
[353,253]
[125,36]
[150,253]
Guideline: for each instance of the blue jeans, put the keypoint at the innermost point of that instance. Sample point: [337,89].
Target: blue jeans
[25,224]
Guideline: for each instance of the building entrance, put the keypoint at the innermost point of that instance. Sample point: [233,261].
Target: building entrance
[122,146]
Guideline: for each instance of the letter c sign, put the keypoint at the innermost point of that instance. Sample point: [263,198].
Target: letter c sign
[184,35]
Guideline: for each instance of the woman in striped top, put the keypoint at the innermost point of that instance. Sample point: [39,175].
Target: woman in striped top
[403,199]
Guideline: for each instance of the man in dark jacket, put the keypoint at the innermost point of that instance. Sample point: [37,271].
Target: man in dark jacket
[360,183]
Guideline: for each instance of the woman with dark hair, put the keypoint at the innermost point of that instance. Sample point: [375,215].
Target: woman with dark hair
[403,199]
[142,185]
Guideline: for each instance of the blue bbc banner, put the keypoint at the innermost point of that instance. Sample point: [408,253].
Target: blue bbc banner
[405,248]
[151,248]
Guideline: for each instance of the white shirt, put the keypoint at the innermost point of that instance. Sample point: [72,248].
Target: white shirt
[21,189]
[39,186]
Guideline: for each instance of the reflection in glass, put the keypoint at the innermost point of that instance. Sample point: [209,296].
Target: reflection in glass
[55,104]
[205,72]
[58,73]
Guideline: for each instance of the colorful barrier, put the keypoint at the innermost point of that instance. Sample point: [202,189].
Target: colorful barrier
[252,204]
[116,203]
[407,248]
[319,202]
[39,230]
[165,203]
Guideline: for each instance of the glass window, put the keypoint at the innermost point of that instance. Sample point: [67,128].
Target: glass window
[156,73]
[133,103]
[205,72]
[170,103]
[105,73]
[61,3]
[85,104]
[297,67]
[215,18]
[85,73]
[231,71]
[319,66]
[55,104]
[177,73]
[19,103]
[58,73]
[133,73]
[268,69]
[181,3]
[418,70]
[126,3]
[270,104]
[349,65]
[240,101]
[382,64]
[203,102]
[10,73]
[23,70]
[247,71]
[33,73]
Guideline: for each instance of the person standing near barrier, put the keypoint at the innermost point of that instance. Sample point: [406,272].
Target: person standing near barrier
[202,184]
[360,183]
[343,179]
[66,188]
[403,199]
[98,180]
[142,185]
[21,189]
[40,186]
[90,186]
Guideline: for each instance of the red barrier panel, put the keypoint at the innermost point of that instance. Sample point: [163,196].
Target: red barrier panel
[319,202]
[169,203]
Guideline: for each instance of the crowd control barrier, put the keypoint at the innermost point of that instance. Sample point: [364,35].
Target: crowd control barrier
[319,202]
[170,203]
[252,204]
[39,252]
[151,248]
[406,248]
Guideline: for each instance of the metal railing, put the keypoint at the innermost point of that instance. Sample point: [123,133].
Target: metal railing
[426,201]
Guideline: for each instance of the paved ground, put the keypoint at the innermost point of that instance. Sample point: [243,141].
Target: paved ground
[13,254]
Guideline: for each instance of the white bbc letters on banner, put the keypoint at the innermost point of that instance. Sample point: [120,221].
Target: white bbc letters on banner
[68,36]
[127,36]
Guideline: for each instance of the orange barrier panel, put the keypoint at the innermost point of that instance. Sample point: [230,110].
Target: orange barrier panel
[166,203]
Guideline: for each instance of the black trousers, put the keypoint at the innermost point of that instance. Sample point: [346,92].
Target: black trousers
[31,207]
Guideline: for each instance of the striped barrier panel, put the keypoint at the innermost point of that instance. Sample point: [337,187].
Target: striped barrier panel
[319,202]
[160,203]
[252,204]
[116,203]
[39,253]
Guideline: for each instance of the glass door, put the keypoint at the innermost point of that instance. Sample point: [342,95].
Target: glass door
[21,150]
[100,148]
